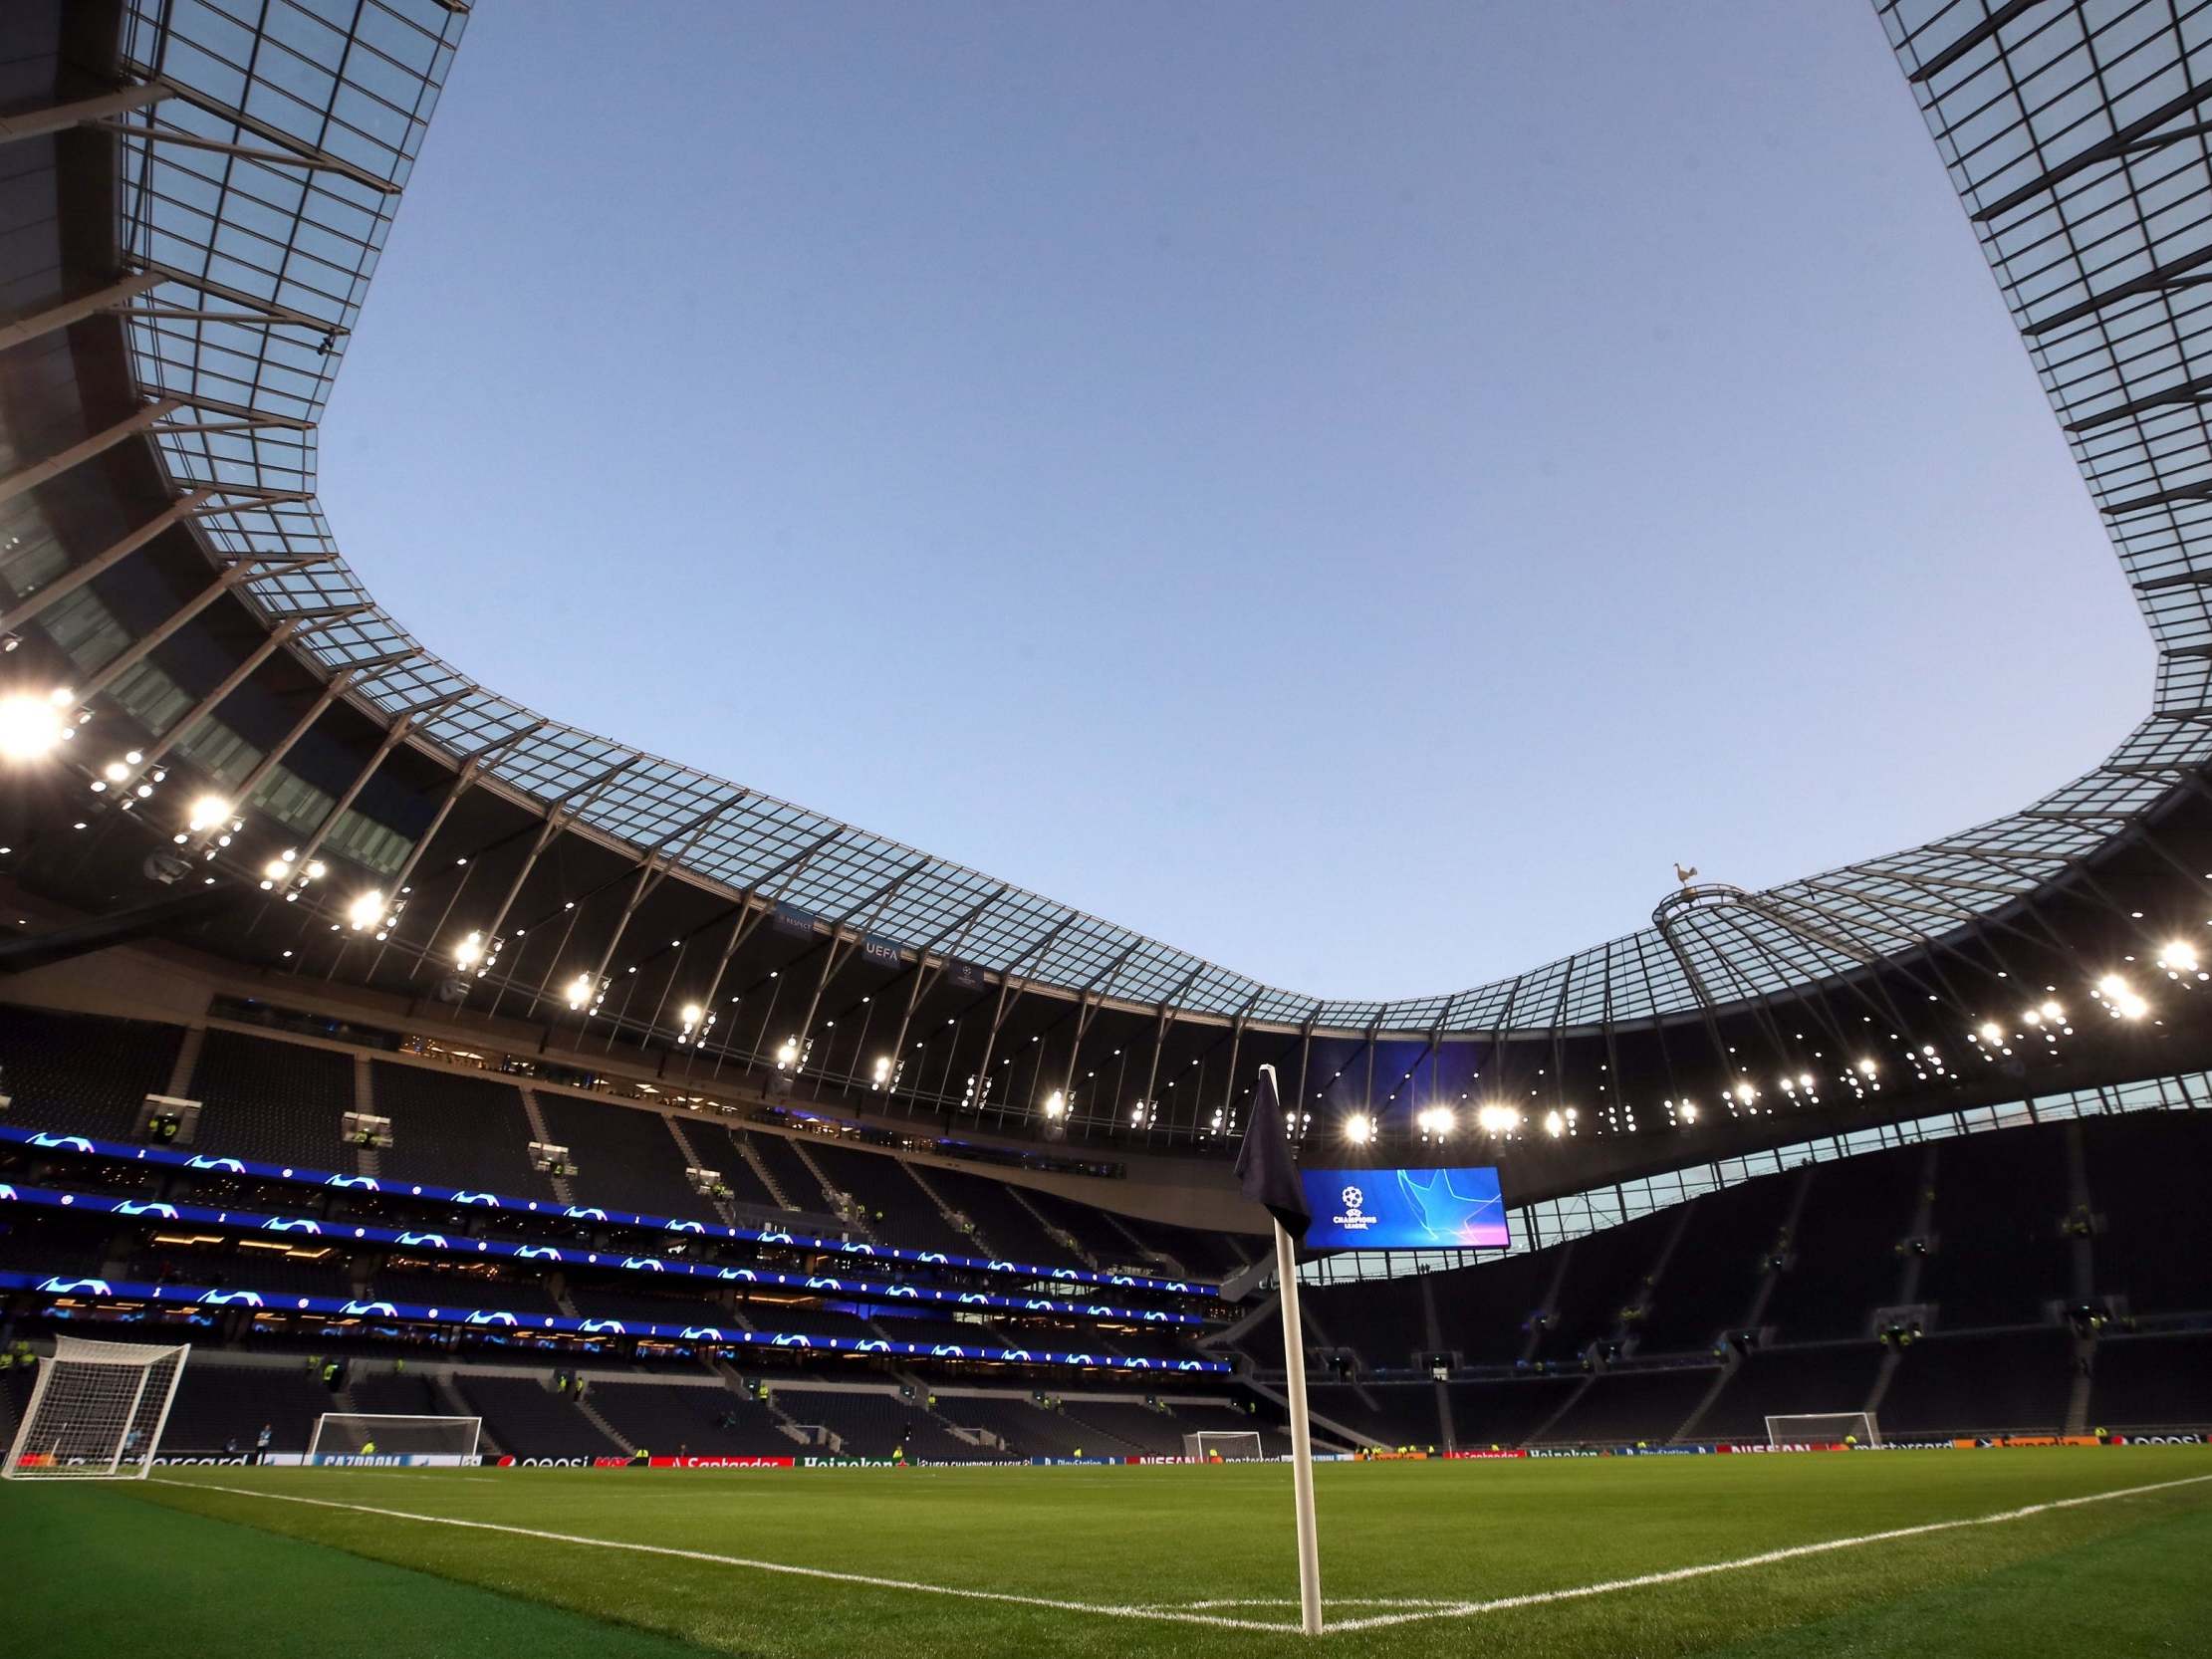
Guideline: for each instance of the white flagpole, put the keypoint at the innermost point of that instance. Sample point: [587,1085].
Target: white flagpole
[1301,1437]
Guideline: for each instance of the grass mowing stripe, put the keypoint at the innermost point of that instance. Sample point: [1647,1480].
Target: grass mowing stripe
[874,1582]
[98,1574]
[1194,1613]
[1676,1575]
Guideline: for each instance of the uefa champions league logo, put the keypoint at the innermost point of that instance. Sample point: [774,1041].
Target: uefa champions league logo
[1354,1217]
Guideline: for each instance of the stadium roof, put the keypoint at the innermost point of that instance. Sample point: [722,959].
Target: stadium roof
[260,173]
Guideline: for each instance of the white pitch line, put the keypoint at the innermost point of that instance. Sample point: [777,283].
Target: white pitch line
[1468,1609]
[1157,1613]
[1454,1609]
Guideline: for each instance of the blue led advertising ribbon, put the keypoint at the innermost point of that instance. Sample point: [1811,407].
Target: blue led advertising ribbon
[271,1301]
[346,1232]
[83,1145]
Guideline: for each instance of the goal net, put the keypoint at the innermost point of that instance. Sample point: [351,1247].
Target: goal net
[344,1436]
[97,1411]
[1823,1428]
[1209,1445]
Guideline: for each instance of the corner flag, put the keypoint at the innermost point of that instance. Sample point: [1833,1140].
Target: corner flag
[1269,1177]
[1264,1162]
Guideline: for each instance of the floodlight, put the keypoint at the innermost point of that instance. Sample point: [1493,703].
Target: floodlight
[366,910]
[1357,1129]
[1056,1103]
[30,727]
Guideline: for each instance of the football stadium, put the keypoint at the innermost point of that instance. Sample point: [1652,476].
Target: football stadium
[468,1185]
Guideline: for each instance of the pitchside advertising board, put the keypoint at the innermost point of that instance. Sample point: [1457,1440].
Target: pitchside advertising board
[1405,1209]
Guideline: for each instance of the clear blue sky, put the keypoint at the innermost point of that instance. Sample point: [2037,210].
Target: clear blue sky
[1353,491]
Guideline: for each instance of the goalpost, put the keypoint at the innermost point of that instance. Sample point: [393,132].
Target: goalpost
[97,1411]
[354,1436]
[1225,1444]
[1823,1428]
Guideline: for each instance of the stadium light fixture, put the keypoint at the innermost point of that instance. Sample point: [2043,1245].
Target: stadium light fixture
[580,991]
[31,726]
[1991,1032]
[1688,1111]
[1497,1119]
[2180,958]
[787,1053]
[469,952]
[1358,1129]
[366,910]
[1056,1105]
[207,812]
[1555,1124]
[881,1075]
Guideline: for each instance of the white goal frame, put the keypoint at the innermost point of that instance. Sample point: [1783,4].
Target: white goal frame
[390,1422]
[97,1411]
[1196,1448]
[1823,1428]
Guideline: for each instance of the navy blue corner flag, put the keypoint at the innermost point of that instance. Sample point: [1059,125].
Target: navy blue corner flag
[1264,1163]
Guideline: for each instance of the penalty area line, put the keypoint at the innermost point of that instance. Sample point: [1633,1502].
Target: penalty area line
[1158,1614]
[1676,1575]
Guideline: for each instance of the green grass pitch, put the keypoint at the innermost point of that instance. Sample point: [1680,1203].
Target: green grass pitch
[1417,1560]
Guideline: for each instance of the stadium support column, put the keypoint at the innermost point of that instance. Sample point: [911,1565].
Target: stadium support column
[1011,988]
[393,736]
[239,675]
[62,314]
[655,870]
[331,692]
[557,816]
[1088,1003]
[139,649]
[77,576]
[926,976]
[31,477]
[470,768]
[750,914]
[846,937]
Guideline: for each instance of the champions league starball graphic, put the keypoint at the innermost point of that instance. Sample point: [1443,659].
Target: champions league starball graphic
[1405,1209]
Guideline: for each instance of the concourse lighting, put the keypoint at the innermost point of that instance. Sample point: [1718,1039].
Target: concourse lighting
[1358,1129]
[29,726]
[1055,1104]
[366,911]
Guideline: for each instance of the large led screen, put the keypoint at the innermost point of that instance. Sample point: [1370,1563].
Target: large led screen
[1405,1209]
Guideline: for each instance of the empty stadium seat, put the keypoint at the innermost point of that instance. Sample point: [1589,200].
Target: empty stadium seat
[79,1073]
[456,1128]
[277,1102]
